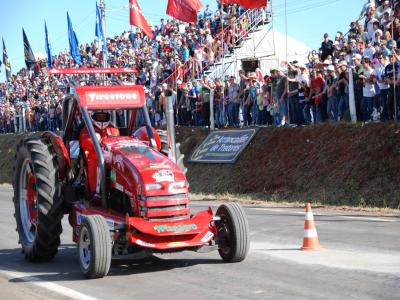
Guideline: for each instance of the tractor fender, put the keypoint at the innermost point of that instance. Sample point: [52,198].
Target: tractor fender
[141,134]
[63,159]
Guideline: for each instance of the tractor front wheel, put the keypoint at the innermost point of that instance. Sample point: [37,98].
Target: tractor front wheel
[94,247]
[233,232]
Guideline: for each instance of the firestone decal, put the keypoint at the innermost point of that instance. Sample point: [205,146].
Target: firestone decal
[166,228]
[164,176]
[105,97]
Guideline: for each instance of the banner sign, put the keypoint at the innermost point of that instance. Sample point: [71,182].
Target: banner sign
[111,97]
[80,71]
[223,146]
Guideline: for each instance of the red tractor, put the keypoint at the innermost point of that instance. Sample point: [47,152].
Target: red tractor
[123,196]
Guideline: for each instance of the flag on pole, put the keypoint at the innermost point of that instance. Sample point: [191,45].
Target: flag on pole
[73,42]
[137,18]
[6,61]
[30,60]
[184,10]
[99,33]
[48,48]
[251,4]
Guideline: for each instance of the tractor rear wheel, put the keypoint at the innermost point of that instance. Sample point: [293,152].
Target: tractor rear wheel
[165,150]
[233,232]
[94,247]
[37,200]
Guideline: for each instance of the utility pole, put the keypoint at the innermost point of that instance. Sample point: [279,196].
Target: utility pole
[102,7]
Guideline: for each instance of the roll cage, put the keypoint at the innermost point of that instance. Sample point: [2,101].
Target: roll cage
[106,94]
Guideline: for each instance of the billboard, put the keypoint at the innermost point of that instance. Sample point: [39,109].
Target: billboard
[223,146]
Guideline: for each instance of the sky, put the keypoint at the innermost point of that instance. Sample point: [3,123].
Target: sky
[308,20]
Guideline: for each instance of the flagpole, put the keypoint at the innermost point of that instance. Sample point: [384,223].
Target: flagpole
[287,63]
[394,72]
[102,7]
[223,64]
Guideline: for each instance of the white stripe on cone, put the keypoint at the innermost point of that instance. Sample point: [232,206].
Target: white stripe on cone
[310,233]
[309,216]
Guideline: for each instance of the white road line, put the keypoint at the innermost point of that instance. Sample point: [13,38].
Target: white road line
[361,218]
[369,219]
[387,262]
[56,288]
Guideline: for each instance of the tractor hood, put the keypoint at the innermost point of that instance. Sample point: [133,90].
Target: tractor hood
[134,159]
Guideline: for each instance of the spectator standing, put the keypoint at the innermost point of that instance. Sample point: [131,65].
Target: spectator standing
[331,93]
[359,83]
[316,92]
[199,56]
[327,47]
[205,97]
[391,77]
[233,102]
[342,86]
[382,86]
[369,92]
[281,91]
[293,94]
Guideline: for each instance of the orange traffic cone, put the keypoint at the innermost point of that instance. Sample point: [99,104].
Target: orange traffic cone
[310,241]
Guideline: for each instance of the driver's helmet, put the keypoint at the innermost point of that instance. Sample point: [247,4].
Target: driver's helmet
[100,119]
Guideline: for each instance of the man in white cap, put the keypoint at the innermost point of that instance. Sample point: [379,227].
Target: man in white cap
[330,91]
[367,102]
[341,85]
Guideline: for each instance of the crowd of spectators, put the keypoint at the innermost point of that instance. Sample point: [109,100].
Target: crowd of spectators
[172,65]
[31,100]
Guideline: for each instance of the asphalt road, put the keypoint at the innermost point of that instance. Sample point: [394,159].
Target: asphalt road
[360,259]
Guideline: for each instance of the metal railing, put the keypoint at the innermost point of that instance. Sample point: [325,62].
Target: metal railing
[230,36]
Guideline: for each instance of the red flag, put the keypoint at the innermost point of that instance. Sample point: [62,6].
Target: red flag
[252,4]
[184,10]
[137,18]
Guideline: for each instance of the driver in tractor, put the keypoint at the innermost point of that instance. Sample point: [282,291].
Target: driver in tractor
[104,128]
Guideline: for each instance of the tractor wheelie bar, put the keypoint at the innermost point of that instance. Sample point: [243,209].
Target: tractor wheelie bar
[109,171]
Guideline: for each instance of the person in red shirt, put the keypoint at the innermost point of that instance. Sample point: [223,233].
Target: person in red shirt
[316,91]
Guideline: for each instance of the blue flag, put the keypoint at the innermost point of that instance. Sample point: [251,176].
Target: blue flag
[48,48]
[99,33]
[73,42]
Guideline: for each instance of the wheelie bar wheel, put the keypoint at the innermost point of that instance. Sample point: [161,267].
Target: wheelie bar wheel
[233,232]
[94,247]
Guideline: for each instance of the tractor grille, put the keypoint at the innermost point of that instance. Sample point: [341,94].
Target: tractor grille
[168,207]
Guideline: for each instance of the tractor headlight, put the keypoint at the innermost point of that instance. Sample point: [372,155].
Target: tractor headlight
[153,187]
[177,185]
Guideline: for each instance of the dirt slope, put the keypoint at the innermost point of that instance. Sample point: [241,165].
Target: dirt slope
[8,146]
[331,164]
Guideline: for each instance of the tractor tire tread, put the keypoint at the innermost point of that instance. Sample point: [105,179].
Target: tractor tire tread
[40,153]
